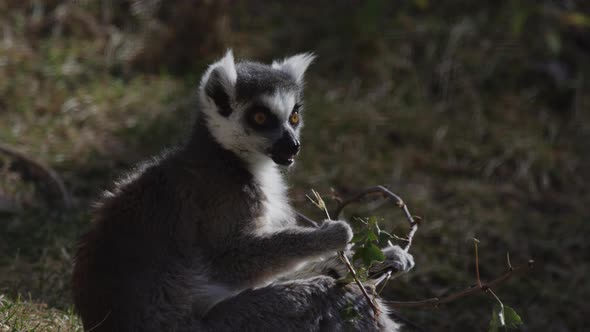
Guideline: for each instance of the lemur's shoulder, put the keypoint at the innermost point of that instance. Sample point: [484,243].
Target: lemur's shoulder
[136,184]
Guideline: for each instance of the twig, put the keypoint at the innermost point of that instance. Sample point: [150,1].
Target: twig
[434,302]
[40,171]
[488,289]
[502,321]
[304,218]
[319,202]
[394,198]
[358,282]
[410,237]
[475,242]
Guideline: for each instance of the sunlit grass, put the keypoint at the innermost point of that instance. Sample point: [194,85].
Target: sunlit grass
[27,315]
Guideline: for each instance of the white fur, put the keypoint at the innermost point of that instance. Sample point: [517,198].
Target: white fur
[278,213]
[228,65]
[232,135]
[229,76]
[227,131]
[295,65]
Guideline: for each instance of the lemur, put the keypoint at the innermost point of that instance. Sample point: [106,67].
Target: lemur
[202,238]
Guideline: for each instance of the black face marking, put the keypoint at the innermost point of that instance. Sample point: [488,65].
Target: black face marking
[216,91]
[271,123]
[255,79]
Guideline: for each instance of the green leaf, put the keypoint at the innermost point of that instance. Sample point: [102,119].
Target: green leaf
[495,322]
[513,320]
[359,254]
[346,280]
[507,319]
[368,254]
[376,253]
[372,221]
[371,236]
[359,238]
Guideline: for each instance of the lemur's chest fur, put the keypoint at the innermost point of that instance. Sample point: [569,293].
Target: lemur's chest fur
[276,212]
[243,197]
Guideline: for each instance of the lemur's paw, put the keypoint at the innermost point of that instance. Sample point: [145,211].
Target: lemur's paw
[396,261]
[335,234]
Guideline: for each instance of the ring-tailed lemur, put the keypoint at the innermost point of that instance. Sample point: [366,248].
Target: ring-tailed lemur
[203,238]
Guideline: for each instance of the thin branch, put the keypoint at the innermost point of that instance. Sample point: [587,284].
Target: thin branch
[410,237]
[304,218]
[502,321]
[475,242]
[40,171]
[387,194]
[372,190]
[358,282]
[434,302]
[319,202]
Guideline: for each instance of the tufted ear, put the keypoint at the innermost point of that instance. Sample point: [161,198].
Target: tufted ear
[218,84]
[295,65]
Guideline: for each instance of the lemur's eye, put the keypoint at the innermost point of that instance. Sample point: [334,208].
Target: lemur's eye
[259,118]
[294,118]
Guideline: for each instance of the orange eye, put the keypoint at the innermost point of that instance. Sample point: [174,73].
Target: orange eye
[260,118]
[294,118]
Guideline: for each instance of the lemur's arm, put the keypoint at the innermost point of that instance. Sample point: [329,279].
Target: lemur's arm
[396,261]
[257,255]
[315,304]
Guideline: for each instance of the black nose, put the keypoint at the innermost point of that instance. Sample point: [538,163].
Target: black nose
[285,149]
[288,145]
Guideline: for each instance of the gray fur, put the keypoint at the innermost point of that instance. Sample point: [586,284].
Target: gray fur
[197,240]
[396,261]
[314,304]
[255,79]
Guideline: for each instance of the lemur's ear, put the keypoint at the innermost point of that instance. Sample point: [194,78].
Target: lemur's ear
[295,65]
[218,84]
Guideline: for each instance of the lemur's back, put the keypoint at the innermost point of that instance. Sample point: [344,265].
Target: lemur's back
[151,229]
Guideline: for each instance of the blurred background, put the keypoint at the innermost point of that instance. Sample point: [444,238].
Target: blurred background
[477,113]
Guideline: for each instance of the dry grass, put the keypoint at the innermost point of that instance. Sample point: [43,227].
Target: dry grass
[26,315]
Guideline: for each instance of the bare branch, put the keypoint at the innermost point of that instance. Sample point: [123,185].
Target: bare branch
[475,242]
[358,282]
[319,202]
[41,172]
[311,222]
[434,302]
[387,194]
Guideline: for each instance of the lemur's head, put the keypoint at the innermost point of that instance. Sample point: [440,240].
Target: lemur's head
[254,109]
